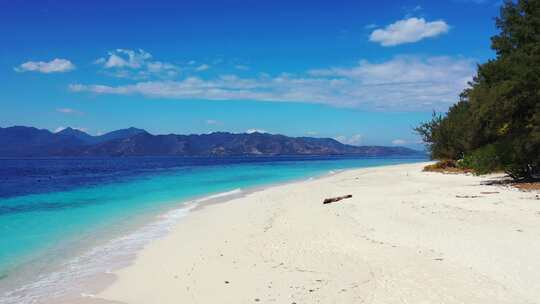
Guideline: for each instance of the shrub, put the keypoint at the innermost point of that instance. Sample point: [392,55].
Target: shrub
[446,166]
[483,160]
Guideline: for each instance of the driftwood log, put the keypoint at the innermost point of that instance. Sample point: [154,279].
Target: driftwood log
[336,199]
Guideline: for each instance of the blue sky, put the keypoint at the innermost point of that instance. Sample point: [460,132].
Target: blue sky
[362,72]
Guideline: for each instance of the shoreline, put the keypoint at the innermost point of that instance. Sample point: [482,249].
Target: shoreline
[267,251]
[103,281]
[88,286]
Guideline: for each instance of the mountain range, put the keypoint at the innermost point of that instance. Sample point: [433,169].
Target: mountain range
[21,141]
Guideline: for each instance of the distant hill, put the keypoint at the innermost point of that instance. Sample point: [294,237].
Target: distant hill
[119,134]
[80,135]
[22,141]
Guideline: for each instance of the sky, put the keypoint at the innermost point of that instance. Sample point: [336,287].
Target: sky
[362,72]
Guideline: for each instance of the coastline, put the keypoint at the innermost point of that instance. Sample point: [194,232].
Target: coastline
[82,287]
[405,234]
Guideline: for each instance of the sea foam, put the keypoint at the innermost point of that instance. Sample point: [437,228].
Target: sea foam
[74,276]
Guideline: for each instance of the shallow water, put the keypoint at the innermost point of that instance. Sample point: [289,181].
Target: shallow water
[58,216]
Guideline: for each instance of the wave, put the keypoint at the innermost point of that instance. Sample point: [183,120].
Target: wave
[220,195]
[74,276]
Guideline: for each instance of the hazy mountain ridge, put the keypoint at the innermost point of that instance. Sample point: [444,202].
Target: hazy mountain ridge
[22,141]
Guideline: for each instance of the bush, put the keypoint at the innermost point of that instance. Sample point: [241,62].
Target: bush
[446,166]
[483,160]
[443,164]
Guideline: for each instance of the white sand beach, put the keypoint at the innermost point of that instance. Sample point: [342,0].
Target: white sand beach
[406,236]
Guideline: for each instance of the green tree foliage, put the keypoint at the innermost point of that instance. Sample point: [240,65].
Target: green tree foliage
[449,138]
[497,120]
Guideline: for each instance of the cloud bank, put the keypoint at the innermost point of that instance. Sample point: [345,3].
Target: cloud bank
[56,65]
[408,31]
[403,83]
[135,64]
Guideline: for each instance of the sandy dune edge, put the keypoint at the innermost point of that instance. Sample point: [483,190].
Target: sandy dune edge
[404,237]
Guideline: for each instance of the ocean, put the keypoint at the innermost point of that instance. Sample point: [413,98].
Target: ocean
[63,221]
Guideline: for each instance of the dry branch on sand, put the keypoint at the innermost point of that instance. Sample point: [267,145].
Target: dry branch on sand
[336,199]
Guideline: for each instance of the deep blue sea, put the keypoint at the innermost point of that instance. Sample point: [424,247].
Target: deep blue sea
[54,213]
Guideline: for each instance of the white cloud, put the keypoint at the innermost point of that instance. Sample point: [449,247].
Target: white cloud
[136,64]
[354,140]
[212,122]
[408,31]
[250,131]
[311,133]
[68,111]
[56,65]
[158,67]
[202,67]
[403,83]
[399,142]
[123,58]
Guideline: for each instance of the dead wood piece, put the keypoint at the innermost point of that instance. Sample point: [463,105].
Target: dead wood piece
[336,199]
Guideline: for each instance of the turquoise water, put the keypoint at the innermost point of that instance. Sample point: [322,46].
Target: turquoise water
[35,225]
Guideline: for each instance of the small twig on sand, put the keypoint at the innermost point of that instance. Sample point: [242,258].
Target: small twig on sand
[336,199]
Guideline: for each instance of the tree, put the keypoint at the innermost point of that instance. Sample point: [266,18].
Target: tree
[501,108]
